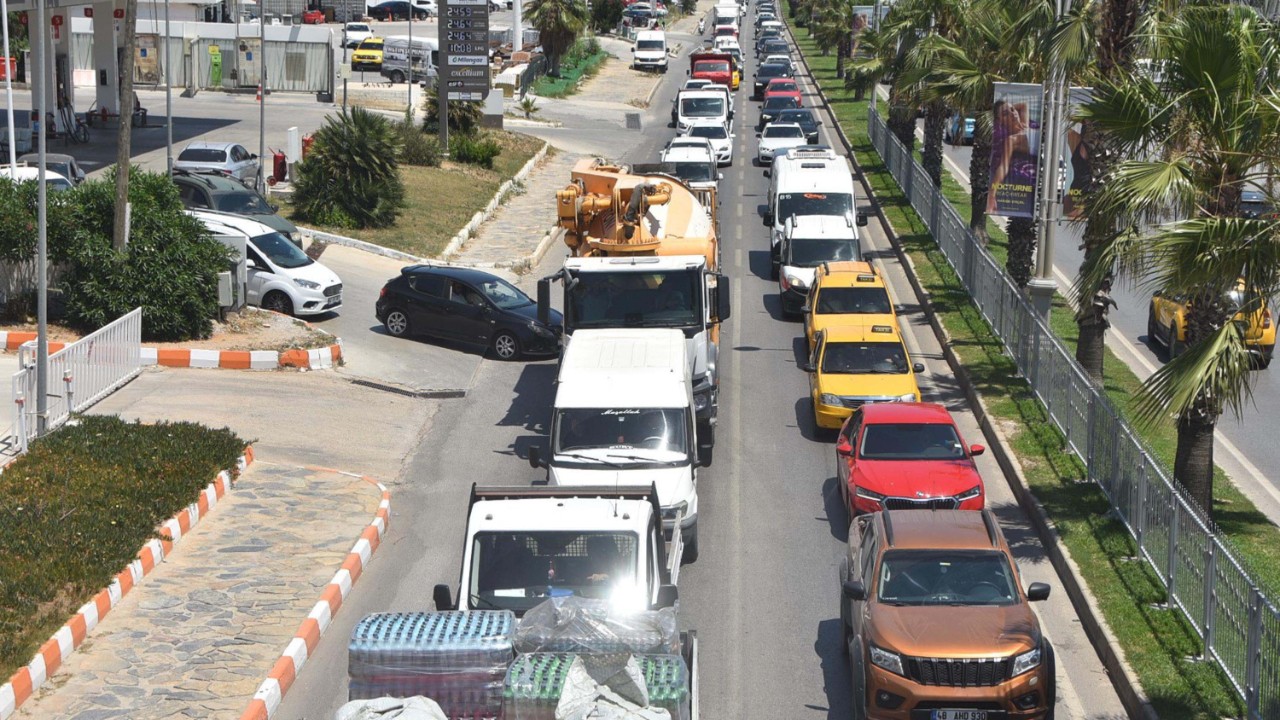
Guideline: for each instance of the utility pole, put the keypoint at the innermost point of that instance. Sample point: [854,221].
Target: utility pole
[42,224]
[409,56]
[168,98]
[8,90]
[1042,287]
[517,25]
[346,71]
[262,102]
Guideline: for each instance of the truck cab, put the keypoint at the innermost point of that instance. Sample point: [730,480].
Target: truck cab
[718,67]
[524,545]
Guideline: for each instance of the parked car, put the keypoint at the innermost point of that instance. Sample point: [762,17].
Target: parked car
[1167,318]
[354,33]
[64,165]
[230,159]
[906,456]
[955,134]
[207,190]
[313,17]
[52,180]
[936,622]
[467,305]
[397,10]
[368,55]
[805,118]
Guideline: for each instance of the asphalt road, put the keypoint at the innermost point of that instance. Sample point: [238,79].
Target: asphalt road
[763,593]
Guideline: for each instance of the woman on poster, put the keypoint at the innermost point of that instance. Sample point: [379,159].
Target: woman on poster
[1013,161]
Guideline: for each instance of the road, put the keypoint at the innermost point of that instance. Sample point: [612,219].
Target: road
[1242,446]
[763,593]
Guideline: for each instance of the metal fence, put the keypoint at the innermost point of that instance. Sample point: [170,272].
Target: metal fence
[1239,625]
[80,375]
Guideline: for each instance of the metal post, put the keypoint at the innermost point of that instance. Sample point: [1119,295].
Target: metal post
[8,90]
[1209,582]
[409,56]
[262,102]
[442,96]
[346,6]
[517,26]
[1252,661]
[1043,286]
[42,223]
[168,98]
[1171,561]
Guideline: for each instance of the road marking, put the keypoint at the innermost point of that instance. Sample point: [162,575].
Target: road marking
[735,503]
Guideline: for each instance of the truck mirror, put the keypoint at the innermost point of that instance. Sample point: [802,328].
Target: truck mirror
[535,458]
[723,302]
[443,597]
[544,302]
[768,218]
[854,590]
[668,595]
[862,219]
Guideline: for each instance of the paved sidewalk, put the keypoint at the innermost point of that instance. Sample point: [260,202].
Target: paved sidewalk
[519,225]
[196,637]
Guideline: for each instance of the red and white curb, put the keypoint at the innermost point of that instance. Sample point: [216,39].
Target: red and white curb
[316,359]
[24,683]
[266,701]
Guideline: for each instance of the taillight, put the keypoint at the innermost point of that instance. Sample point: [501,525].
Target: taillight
[382,293]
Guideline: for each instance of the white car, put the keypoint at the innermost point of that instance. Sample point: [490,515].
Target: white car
[718,133]
[353,33]
[695,84]
[695,165]
[685,141]
[777,138]
[779,59]
[23,173]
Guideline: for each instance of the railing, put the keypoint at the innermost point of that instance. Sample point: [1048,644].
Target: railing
[1239,625]
[79,375]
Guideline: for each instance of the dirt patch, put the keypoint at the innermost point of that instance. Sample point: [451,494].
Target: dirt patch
[251,329]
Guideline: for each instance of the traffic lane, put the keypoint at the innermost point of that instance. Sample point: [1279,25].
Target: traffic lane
[1079,671]
[483,439]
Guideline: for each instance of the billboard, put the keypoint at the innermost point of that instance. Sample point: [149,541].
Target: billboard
[1076,162]
[1015,149]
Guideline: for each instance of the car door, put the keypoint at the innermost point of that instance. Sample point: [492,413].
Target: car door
[467,315]
[424,303]
[258,276]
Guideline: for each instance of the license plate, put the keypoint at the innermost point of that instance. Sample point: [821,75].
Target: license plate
[959,715]
[335,300]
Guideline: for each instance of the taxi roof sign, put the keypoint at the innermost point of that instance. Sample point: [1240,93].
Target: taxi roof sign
[881,329]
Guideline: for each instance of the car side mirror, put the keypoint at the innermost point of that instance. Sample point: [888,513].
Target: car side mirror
[535,458]
[917,367]
[544,301]
[668,595]
[1037,592]
[976,450]
[253,156]
[862,219]
[274,208]
[757,134]
[252,264]
[843,448]
[807,366]
[719,176]
[819,123]
[443,597]
[806,309]
[854,590]
[768,218]
[1158,293]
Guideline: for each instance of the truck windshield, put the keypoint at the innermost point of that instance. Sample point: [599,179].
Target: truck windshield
[703,107]
[946,577]
[633,299]
[814,252]
[515,571]
[711,66]
[621,429]
[813,203]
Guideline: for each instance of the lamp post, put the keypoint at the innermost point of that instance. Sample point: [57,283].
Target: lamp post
[1042,287]
[42,225]
[262,101]
[8,90]
[168,98]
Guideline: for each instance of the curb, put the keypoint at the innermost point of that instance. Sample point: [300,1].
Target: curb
[527,262]
[24,683]
[270,694]
[1126,684]
[362,245]
[503,190]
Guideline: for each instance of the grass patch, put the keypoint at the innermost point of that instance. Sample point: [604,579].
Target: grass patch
[570,75]
[1156,642]
[440,200]
[76,509]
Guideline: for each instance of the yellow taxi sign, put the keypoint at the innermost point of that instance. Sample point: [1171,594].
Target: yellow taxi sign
[864,277]
[881,329]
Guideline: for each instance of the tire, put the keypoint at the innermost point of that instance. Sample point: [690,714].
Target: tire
[396,323]
[775,269]
[858,686]
[690,554]
[505,345]
[1051,694]
[1151,325]
[396,77]
[706,434]
[1174,344]
[277,301]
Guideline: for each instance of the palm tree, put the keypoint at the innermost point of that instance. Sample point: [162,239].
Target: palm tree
[834,31]
[1207,130]
[875,60]
[558,23]
[351,177]
[911,18]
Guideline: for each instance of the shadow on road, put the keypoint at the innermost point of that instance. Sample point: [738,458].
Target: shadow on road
[530,408]
[829,647]
[837,514]
[808,427]
[758,262]
[468,348]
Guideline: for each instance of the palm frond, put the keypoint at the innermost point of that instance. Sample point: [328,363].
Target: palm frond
[1211,376]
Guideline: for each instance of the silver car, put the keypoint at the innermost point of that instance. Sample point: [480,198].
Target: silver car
[64,165]
[230,159]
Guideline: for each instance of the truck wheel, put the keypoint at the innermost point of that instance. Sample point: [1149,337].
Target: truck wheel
[396,77]
[691,546]
[706,454]
[706,434]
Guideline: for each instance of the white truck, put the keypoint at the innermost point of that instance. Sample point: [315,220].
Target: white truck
[667,291]
[527,544]
[399,52]
[624,415]
[650,51]
[807,180]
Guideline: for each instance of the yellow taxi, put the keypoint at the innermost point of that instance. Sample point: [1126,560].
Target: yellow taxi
[367,55]
[1167,324]
[852,365]
[846,293]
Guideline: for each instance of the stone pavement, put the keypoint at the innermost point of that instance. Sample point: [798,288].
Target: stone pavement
[520,224]
[196,637]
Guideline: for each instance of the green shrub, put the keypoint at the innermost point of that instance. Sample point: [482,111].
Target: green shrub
[416,147]
[76,509]
[606,14]
[474,150]
[464,117]
[351,173]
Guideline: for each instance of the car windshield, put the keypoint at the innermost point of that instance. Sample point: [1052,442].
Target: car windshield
[807,252]
[773,131]
[702,107]
[504,294]
[864,358]
[710,132]
[632,299]
[910,441]
[515,571]
[357,27]
[946,577]
[243,203]
[280,251]
[770,71]
[791,204]
[781,102]
[370,45]
[58,184]
[621,429]
[203,155]
[695,171]
[799,117]
[853,301]
[649,44]
[783,86]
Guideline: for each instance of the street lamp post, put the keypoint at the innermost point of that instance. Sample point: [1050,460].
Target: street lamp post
[1042,287]
[168,98]
[42,225]
[8,90]
[410,54]
[262,102]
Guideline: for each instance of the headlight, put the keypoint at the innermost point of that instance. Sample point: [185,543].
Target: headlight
[1026,661]
[971,493]
[829,399]
[797,282]
[869,494]
[541,331]
[669,513]
[909,397]
[306,284]
[887,660]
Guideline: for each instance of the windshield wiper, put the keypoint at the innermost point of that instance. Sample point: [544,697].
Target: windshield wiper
[644,459]
[476,599]
[579,456]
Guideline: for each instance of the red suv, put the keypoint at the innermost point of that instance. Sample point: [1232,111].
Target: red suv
[901,456]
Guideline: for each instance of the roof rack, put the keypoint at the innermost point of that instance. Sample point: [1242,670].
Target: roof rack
[992,533]
[888,528]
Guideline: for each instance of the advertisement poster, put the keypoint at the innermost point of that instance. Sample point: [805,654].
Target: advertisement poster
[1015,148]
[146,66]
[1075,156]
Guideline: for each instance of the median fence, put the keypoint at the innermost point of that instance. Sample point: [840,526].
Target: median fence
[80,375]
[1239,625]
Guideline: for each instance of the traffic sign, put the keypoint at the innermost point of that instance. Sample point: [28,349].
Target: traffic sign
[464,49]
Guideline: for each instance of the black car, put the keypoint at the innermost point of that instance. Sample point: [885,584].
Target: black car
[764,74]
[774,106]
[1254,205]
[805,118]
[211,190]
[766,35]
[773,46]
[396,10]
[466,305]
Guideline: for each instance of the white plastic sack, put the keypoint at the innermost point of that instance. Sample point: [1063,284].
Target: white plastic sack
[412,708]
[607,687]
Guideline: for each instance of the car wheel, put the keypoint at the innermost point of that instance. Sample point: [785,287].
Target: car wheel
[706,434]
[1051,693]
[1151,325]
[774,270]
[277,301]
[1175,345]
[506,345]
[397,323]
[858,684]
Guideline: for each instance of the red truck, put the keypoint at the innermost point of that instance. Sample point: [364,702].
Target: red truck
[718,67]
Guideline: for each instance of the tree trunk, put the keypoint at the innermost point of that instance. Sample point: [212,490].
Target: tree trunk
[1022,250]
[1092,325]
[1193,463]
[840,56]
[1091,321]
[120,231]
[902,120]
[980,177]
[935,120]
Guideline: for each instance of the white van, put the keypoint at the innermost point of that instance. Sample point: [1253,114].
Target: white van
[697,105]
[809,241]
[809,180]
[650,51]
[395,58]
[281,277]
